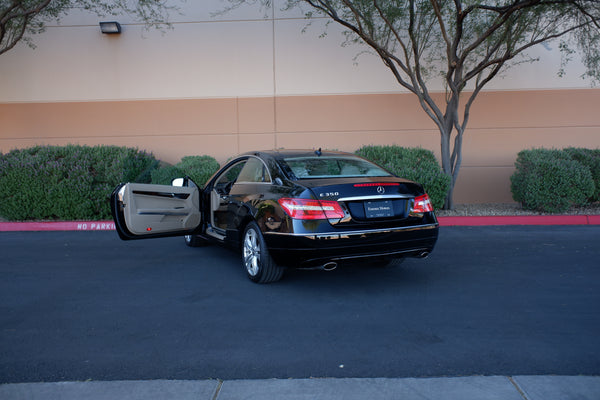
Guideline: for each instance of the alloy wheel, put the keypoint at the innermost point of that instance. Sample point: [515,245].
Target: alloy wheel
[252,252]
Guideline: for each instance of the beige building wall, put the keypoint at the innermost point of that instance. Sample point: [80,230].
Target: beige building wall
[503,123]
[250,79]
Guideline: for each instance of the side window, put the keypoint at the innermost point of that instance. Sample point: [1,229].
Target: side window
[254,171]
[229,177]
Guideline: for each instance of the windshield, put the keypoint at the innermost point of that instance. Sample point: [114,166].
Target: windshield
[332,167]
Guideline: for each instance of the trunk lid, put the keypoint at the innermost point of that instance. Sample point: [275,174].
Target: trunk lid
[368,202]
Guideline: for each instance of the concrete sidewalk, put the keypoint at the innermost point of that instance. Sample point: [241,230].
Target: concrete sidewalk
[462,388]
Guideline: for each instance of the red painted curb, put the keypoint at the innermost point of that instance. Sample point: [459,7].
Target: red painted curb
[444,221]
[57,226]
[520,220]
[594,219]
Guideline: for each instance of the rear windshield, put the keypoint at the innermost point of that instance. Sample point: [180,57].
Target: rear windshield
[332,167]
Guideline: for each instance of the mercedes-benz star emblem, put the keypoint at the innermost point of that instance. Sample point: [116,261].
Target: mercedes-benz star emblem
[380,189]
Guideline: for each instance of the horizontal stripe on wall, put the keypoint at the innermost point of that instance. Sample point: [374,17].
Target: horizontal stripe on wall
[502,123]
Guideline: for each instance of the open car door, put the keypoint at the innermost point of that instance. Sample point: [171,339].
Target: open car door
[145,210]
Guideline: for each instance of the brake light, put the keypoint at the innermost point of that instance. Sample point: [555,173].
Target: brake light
[311,209]
[371,184]
[422,204]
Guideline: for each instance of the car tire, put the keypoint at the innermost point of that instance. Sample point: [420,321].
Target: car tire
[256,260]
[195,241]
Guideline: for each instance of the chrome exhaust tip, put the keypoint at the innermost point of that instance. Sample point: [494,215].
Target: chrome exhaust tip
[423,254]
[330,266]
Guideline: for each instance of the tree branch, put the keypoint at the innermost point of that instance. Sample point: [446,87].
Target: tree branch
[510,55]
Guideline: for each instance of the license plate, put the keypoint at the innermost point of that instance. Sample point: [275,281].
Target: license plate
[379,209]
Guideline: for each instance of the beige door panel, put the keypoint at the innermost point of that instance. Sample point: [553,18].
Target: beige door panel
[152,209]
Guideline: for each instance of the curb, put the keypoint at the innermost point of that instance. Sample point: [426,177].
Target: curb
[497,220]
[57,226]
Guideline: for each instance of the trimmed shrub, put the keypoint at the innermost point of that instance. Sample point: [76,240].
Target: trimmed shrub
[550,181]
[416,164]
[198,168]
[67,182]
[591,159]
[165,174]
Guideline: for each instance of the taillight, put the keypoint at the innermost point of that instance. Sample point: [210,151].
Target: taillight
[422,204]
[311,209]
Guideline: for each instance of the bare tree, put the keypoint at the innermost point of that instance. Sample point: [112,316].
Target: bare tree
[466,42]
[19,19]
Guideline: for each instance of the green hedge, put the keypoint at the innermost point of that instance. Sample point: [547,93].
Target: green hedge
[591,159]
[67,182]
[416,164]
[550,180]
[199,168]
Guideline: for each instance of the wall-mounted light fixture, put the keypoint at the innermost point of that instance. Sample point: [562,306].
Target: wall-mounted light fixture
[110,27]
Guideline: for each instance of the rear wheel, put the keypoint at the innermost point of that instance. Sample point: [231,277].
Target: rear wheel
[256,260]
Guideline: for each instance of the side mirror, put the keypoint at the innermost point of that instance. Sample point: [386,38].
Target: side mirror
[179,182]
[183,182]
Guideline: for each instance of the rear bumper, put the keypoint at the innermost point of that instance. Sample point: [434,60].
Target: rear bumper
[302,250]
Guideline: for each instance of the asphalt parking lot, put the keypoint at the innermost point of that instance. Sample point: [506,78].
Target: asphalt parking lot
[490,301]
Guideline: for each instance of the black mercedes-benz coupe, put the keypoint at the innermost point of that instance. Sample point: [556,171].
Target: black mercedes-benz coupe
[287,208]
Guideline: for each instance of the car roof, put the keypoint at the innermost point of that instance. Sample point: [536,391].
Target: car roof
[288,153]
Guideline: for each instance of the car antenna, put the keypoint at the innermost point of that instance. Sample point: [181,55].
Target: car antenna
[318,152]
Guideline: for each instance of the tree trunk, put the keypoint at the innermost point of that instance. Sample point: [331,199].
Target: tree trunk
[447,167]
[450,156]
